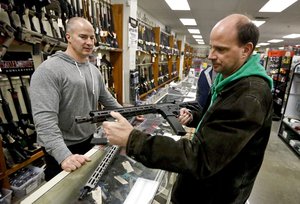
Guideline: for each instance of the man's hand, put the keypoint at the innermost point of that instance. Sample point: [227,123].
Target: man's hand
[185,116]
[117,132]
[74,161]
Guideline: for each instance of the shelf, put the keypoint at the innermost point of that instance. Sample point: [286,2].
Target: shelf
[145,64]
[157,87]
[295,150]
[290,127]
[16,167]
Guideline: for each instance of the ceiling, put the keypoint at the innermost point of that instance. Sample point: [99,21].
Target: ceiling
[208,12]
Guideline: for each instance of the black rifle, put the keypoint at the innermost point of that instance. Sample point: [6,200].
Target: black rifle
[26,99]
[94,22]
[8,31]
[23,122]
[169,111]
[78,8]
[111,28]
[13,128]
[12,145]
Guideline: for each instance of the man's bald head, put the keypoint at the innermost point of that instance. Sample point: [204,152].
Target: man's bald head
[239,25]
[77,23]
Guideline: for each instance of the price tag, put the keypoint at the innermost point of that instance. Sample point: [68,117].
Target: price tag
[121,180]
[127,166]
[284,134]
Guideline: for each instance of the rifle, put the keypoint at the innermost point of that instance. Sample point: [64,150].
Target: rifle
[13,129]
[93,180]
[23,118]
[101,168]
[169,111]
[78,8]
[13,146]
[108,75]
[8,31]
[94,21]
[111,29]
[53,13]
[26,99]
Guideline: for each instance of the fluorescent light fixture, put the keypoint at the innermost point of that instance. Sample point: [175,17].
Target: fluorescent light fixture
[257,45]
[281,48]
[188,21]
[276,5]
[178,4]
[194,31]
[275,41]
[294,35]
[258,23]
[197,36]
[201,43]
[263,44]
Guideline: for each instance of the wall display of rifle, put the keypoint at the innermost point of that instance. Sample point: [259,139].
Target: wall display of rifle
[161,66]
[16,123]
[146,40]
[19,64]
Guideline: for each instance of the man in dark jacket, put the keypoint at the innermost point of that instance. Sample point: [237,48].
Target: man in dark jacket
[221,162]
[204,84]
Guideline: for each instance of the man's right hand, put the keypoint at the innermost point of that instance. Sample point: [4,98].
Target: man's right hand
[74,161]
[185,116]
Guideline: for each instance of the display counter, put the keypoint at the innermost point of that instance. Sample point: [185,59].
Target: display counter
[123,181]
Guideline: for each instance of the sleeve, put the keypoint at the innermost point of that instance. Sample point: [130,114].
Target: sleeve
[218,142]
[44,96]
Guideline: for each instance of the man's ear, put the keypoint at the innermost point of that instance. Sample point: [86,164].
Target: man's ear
[248,49]
[68,36]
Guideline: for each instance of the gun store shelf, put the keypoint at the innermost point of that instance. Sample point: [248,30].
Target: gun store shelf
[8,172]
[142,96]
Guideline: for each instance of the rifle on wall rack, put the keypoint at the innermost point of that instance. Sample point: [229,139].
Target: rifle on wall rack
[14,128]
[95,23]
[26,99]
[24,119]
[111,27]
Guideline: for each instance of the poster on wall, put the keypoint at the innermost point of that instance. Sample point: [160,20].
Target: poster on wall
[133,33]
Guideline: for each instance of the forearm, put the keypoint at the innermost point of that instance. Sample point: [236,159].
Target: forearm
[50,137]
[163,152]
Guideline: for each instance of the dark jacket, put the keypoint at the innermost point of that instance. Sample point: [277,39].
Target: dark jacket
[204,83]
[220,164]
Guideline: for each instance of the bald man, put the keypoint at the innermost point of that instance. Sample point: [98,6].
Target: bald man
[62,87]
[219,165]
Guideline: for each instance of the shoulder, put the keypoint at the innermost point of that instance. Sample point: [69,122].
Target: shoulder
[252,88]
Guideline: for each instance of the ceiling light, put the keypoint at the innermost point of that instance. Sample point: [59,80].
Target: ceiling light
[201,43]
[197,36]
[281,48]
[258,23]
[292,36]
[194,31]
[188,21]
[199,40]
[178,4]
[276,5]
[275,41]
[263,44]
